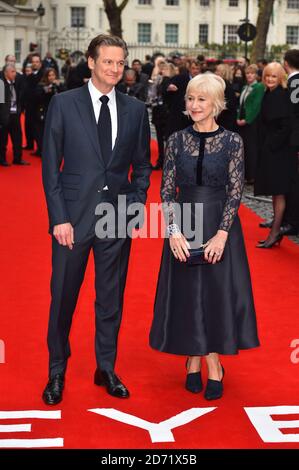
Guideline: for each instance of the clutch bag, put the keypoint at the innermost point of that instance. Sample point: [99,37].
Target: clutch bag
[197,256]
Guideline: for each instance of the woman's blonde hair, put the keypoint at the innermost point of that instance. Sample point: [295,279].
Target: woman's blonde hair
[253,68]
[211,85]
[225,72]
[171,69]
[281,73]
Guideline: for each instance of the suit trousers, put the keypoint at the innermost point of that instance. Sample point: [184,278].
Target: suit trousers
[13,128]
[29,131]
[111,257]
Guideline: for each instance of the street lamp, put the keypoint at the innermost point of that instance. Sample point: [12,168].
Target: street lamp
[41,12]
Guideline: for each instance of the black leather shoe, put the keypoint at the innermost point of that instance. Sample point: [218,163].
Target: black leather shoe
[266,224]
[214,388]
[269,244]
[112,383]
[53,391]
[288,229]
[20,162]
[4,163]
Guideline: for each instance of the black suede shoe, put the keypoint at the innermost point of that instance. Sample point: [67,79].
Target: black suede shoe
[112,383]
[53,392]
[4,163]
[193,380]
[214,388]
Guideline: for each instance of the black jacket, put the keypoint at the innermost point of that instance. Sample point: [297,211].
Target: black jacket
[293,86]
[5,108]
[71,135]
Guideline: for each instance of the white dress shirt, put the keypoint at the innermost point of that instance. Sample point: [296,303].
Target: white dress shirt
[95,95]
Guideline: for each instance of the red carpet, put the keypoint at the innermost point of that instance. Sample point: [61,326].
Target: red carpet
[264,377]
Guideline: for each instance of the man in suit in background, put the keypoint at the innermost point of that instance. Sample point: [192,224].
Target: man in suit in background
[11,112]
[31,118]
[100,134]
[291,216]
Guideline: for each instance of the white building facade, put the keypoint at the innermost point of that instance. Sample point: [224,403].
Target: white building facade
[149,24]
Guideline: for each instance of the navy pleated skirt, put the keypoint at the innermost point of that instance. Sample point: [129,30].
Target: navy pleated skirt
[205,308]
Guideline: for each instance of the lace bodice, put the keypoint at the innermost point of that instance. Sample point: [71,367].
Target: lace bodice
[204,158]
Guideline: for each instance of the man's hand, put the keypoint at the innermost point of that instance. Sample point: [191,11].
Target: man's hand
[241,122]
[64,234]
[172,87]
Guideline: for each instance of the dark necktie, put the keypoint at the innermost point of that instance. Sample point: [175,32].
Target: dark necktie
[105,129]
[13,98]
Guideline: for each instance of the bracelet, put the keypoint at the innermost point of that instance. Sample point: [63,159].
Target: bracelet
[172,229]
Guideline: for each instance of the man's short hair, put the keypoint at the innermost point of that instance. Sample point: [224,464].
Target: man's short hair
[9,66]
[292,58]
[105,40]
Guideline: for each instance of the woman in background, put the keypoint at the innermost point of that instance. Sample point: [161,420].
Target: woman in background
[228,117]
[276,156]
[250,105]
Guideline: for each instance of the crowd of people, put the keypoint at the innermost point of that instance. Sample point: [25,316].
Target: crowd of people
[258,107]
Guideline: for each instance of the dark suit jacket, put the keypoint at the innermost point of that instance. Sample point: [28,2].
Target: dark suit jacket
[71,135]
[176,104]
[293,86]
[5,108]
[31,82]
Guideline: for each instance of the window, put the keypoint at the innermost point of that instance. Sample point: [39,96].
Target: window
[101,18]
[172,3]
[204,3]
[144,2]
[292,35]
[230,34]
[293,4]
[203,37]
[78,17]
[233,3]
[144,32]
[18,49]
[171,33]
[54,17]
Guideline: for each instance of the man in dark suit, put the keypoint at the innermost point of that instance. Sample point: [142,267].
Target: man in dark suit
[175,99]
[50,63]
[291,217]
[131,87]
[100,134]
[31,117]
[140,76]
[11,111]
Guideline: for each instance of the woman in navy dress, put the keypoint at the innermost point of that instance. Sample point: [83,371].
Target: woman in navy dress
[207,309]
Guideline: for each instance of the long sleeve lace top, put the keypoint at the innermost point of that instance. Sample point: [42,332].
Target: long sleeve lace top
[203,158]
